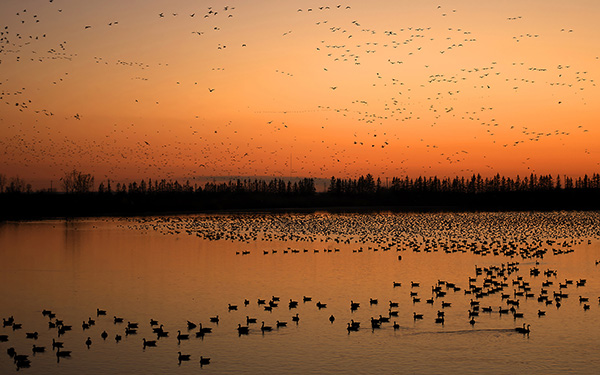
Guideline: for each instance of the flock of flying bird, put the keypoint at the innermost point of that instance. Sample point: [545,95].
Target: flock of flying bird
[403,87]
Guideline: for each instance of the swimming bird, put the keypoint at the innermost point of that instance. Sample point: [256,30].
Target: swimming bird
[88,342]
[20,357]
[243,330]
[375,323]
[214,319]
[204,360]
[149,343]
[181,336]
[204,329]
[296,318]
[264,328]
[332,318]
[38,349]
[523,330]
[57,344]
[63,353]
[183,357]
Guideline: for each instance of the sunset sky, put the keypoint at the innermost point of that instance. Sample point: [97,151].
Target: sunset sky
[194,89]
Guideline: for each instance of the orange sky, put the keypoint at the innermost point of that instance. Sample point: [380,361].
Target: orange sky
[244,88]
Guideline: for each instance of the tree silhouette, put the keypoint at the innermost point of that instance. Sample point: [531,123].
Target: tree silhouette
[77,182]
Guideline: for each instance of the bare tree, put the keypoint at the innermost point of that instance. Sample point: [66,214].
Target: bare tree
[16,185]
[77,182]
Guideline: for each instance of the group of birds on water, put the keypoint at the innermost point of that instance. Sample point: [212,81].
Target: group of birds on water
[513,285]
[486,282]
[514,234]
[130,328]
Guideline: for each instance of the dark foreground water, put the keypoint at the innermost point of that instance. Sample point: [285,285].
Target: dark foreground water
[190,268]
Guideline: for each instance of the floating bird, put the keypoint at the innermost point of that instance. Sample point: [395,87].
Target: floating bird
[181,336]
[149,343]
[204,361]
[243,330]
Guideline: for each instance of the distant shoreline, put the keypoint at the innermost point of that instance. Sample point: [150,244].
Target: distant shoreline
[47,206]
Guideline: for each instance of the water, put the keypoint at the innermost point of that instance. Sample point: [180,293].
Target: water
[180,268]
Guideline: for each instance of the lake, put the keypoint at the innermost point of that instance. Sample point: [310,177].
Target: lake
[175,269]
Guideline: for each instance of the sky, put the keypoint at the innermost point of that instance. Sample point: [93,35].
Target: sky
[191,90]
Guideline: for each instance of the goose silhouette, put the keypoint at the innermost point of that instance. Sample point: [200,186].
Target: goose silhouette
[523,330]
[265,328]
[204,361]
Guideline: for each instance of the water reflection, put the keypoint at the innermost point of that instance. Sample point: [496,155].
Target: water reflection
[177,276]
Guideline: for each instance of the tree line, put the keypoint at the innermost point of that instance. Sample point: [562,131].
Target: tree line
[305,186]
[77,182]
[470,185]
[77,195]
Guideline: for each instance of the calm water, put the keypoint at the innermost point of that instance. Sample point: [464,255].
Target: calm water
[175,269]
